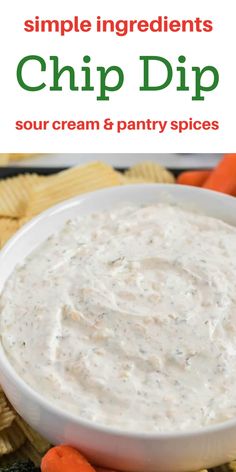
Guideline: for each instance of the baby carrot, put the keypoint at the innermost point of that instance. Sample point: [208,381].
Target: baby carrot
[65,459]
[223,177]
[193,177]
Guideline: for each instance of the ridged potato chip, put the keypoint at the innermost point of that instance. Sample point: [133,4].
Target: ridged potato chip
[22,221]
[20,157]
[4,159]
[6,419]
[7,414]
[69,183]
[127,180]
[3,400]
[39,443]
[151,172]
[5,445]
[11,439]
[14,194]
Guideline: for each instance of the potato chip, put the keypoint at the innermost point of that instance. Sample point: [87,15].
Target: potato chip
[20,157]
[7,414]
[5,445]
[11,439]
[4,159]
[128,180]
[39,443]
[151,172]
[8,227]
[16,436]
[3,400]
[6,419]
[24,220]
[14,194]
[69,183]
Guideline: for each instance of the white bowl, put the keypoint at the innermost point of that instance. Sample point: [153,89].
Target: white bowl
[176,452]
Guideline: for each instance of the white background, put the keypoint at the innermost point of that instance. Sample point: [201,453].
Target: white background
[216,48]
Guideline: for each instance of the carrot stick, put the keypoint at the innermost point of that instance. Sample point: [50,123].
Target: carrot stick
[193,177]
[65,459]
[223,177]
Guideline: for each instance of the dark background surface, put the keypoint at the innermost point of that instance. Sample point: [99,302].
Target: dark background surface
[14,171]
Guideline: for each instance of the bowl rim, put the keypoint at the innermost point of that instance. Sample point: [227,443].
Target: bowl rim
[58,411]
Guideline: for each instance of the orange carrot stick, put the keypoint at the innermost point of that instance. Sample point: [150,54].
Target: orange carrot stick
[223,177]
[65,459]
[193,177]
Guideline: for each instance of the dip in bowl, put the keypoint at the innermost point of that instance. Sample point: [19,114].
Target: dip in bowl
[118,331]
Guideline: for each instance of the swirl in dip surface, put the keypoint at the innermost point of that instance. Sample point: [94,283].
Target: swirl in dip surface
[128,318]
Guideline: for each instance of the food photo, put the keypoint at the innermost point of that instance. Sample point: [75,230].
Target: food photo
[117,313]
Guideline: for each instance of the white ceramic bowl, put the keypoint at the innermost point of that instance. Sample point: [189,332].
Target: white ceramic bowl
[176,452]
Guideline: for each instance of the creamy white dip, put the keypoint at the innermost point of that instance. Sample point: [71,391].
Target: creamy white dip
[128,318]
